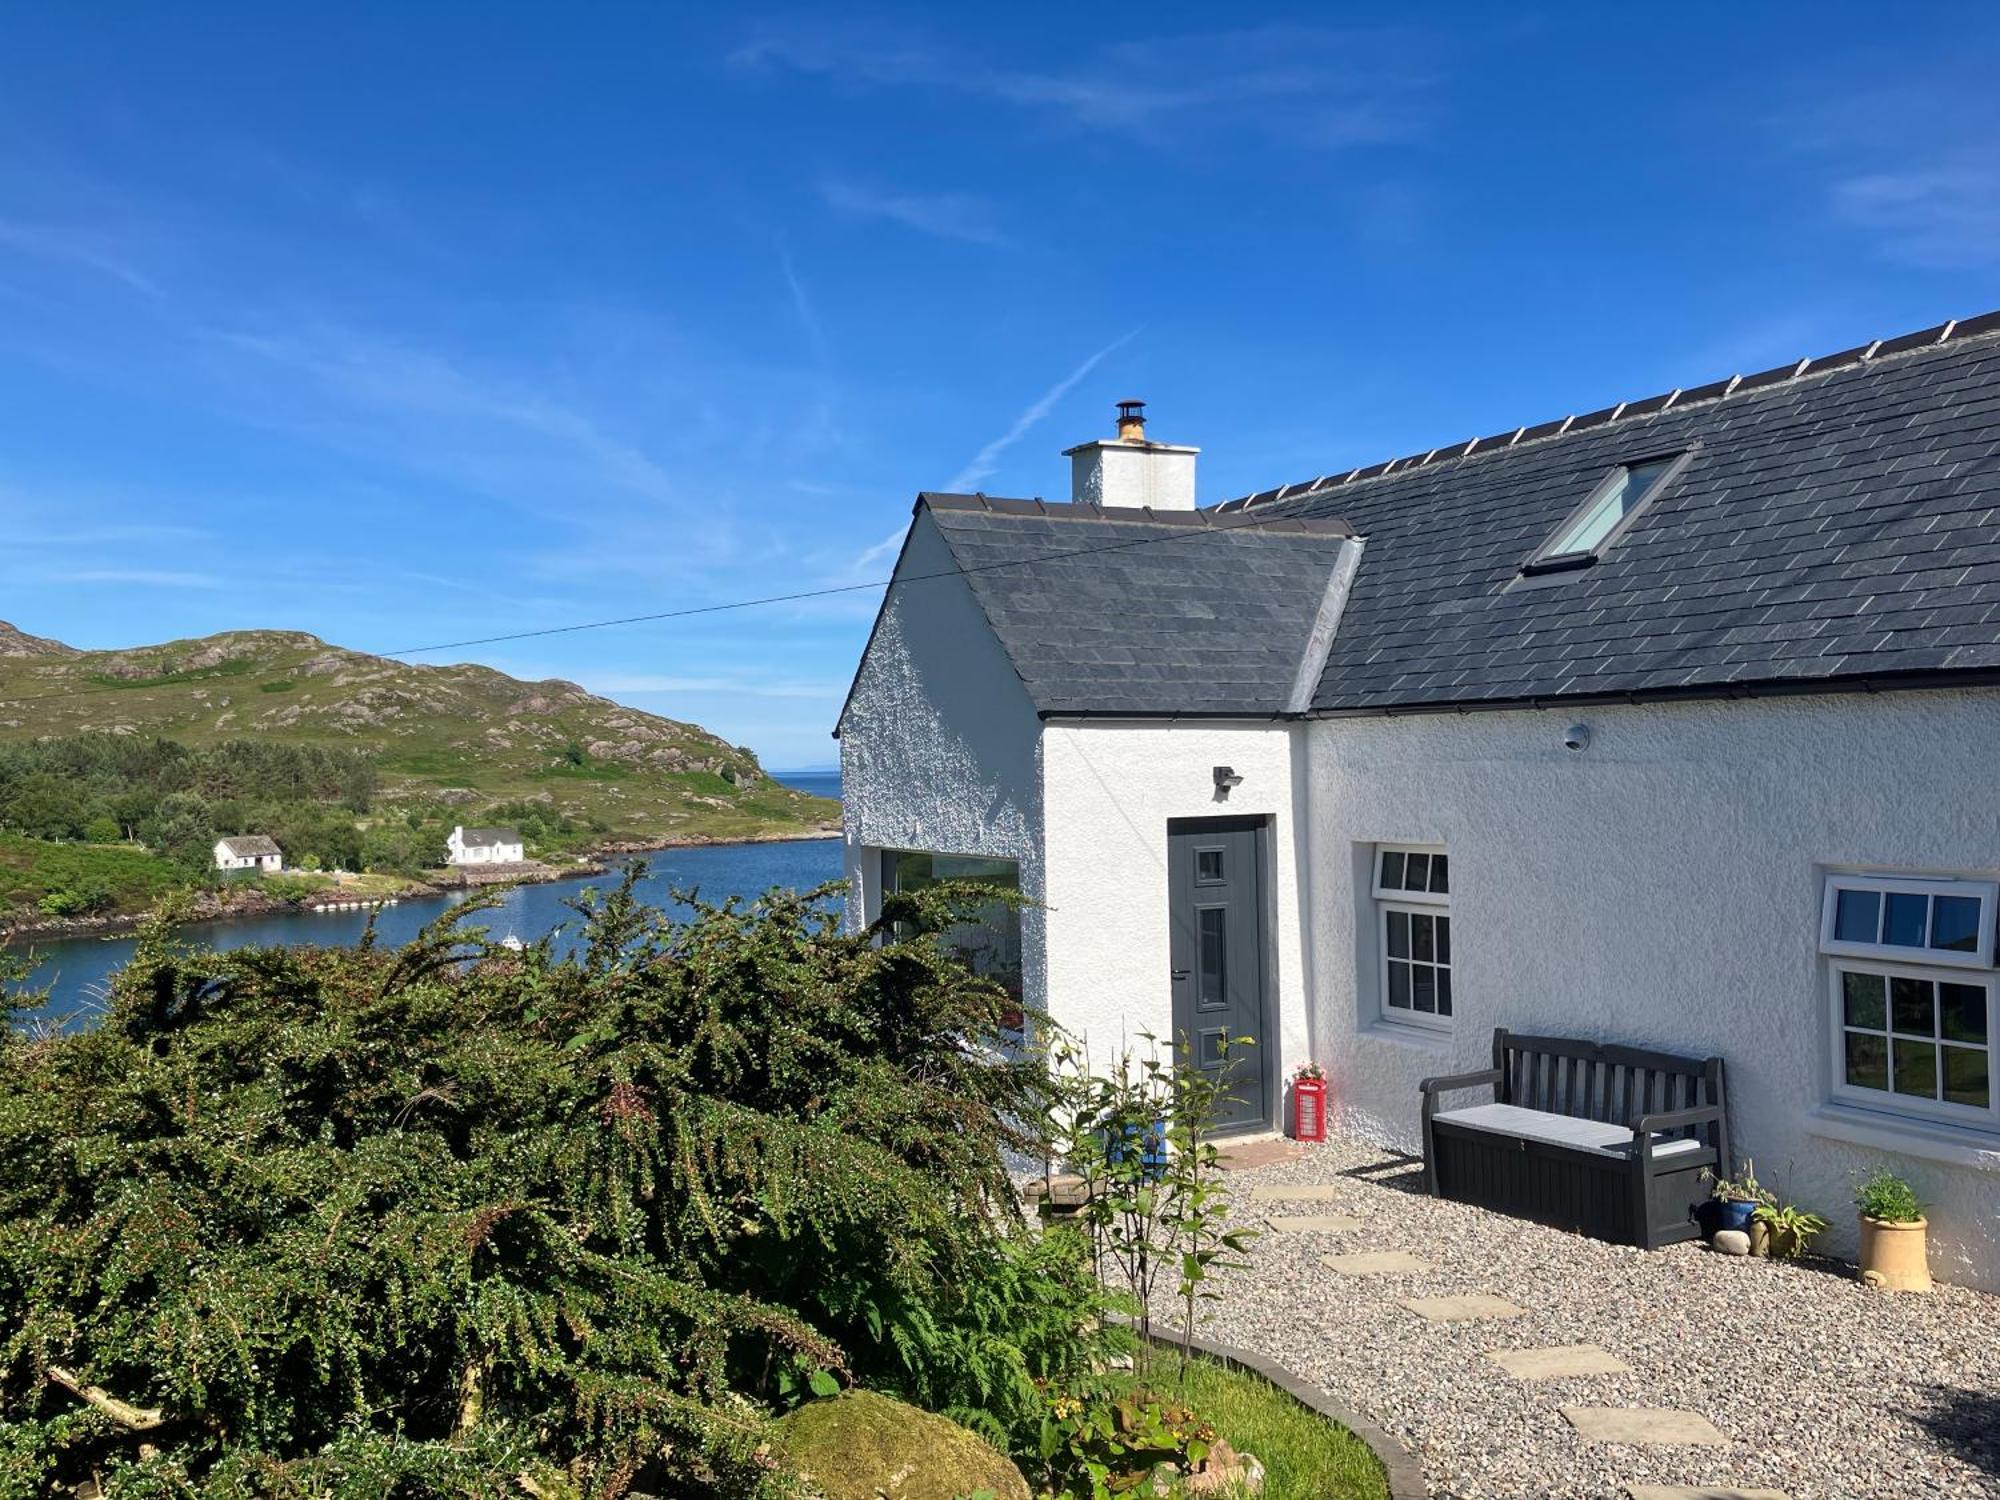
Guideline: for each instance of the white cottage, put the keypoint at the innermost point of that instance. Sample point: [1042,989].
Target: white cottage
[484,846]
[248,851]
[1671,724]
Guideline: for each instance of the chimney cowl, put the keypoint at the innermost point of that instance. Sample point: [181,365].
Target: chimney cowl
[1131,471]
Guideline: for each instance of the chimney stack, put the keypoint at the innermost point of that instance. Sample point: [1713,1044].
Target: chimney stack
[1128,471]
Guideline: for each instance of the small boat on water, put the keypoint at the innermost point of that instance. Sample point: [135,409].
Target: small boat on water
[512,944]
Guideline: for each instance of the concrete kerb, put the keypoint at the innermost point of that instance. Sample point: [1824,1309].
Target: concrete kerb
[1399,1466]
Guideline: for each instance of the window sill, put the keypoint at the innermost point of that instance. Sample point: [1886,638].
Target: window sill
[1423,1038]
[1933,1142]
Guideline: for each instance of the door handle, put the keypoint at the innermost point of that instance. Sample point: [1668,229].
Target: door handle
[1182,973]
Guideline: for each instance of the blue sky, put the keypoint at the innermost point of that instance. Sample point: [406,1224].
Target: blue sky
[413,324]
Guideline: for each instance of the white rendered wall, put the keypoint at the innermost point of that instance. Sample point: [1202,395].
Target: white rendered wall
[940,746]
[1156,475]
[1109,789]
[1662,888]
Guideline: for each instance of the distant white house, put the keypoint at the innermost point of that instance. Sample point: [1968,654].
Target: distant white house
[484,846]
[248,851]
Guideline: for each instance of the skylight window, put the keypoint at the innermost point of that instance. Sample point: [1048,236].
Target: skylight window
[1603,518]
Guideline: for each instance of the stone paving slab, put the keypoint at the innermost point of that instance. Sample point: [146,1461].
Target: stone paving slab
[1253,1154]
[1312,1223]
[1564,1362]
[1642,1424]
[1471,1307]
[1699,1492]
[1375,1263]
[1305,1192]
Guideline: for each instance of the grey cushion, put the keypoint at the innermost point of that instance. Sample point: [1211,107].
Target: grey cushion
[1559,1130]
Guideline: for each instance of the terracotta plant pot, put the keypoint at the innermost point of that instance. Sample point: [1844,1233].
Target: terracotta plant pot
[1893,1256]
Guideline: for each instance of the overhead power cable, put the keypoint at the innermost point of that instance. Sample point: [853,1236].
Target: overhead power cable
[1248,523]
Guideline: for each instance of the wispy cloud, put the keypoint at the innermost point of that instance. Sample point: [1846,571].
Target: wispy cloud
[1320,88]
[802,304]
[1910,165]
[1942,215]
[75,247]
[140,578]
[946,216]
[987,459]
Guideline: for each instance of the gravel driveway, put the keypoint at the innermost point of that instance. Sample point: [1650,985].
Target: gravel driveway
[1822,1387]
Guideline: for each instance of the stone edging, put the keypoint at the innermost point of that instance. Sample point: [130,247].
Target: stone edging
[1399,1465]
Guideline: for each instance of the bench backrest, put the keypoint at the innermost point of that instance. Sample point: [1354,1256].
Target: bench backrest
[1601,1081]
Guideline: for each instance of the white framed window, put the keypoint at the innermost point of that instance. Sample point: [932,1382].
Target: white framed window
[1915,1040]
[1911,993]
[1909,920]
[1412,891]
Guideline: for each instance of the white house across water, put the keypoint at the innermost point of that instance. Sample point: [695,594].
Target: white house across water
[248,851]
[1673,724]
[484,846]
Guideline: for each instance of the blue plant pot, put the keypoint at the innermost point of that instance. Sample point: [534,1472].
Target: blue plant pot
[1737,1216]
[1152,1143]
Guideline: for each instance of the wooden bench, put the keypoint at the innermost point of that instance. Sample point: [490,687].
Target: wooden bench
[1608,1141]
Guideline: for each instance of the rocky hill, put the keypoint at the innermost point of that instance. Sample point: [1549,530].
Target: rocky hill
[464,735]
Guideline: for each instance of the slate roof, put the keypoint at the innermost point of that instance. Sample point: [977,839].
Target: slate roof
[1137,612]
[486,838]
[251,846]
[1837,525]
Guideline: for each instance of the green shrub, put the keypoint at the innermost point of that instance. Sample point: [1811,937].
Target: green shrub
[1887,1197]
[76,901]
[103,830]
[416,1222]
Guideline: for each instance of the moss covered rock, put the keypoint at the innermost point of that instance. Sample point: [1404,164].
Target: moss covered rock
[864,1446]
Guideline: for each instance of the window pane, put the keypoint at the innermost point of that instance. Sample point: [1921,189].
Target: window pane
[1867,1061]
[1955,923]
[1399,934]
[1962,1012]
[1212,980]
[1444,992]
[1392,870]
[1423,988]
[1417,873]
[1000,872]
[1208,866]
[1904,925]
[1421,945]
[1399,985]
[1916,1069]
[1866,998]
[1857,916]
[1441,873]
[1214,1049]
[1444,939]
[1967,1079]
[1625,493]
[1910,1007]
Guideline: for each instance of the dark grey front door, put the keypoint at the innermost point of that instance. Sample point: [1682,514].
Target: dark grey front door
[1215,884]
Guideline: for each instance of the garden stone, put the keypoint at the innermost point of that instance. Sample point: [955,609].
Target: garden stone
[865,1446]
[1312,1223]
[1699,1492]
[1565,1363]
[1471,1307]
[1375,1263]
[1731,1242]
[1304,1192]
[1642,1424]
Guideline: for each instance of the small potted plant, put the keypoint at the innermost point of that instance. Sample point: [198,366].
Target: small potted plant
[1733,1202]
[1787,1230]
[1893,1252]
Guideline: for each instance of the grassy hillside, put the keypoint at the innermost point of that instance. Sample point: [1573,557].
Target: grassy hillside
[458,738]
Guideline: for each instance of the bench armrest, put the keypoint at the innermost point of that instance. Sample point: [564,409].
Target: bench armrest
[1460,1081]
[1645,1125]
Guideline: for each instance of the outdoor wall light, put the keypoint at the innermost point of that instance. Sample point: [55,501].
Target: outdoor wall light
[1225,778]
